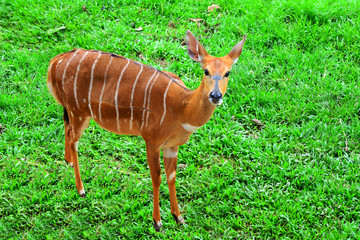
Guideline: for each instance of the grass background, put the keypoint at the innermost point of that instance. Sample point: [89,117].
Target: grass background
[297,177]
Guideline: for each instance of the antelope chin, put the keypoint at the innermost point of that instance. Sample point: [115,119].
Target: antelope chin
[215,102]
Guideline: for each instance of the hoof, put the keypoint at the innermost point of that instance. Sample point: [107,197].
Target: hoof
[157,225]
[82,193]
[179,219]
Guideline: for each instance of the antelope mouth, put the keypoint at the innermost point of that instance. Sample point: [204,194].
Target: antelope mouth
[215,102]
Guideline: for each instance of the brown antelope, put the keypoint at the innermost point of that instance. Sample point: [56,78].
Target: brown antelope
[127,97]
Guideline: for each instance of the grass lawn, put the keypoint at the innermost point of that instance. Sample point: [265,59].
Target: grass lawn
[295,177]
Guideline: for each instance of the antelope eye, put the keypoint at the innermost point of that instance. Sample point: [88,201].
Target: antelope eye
[227,74]
[206,72]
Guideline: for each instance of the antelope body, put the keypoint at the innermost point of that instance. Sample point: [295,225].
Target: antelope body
[127,97]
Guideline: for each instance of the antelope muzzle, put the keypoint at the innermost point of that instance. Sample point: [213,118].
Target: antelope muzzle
[216,97]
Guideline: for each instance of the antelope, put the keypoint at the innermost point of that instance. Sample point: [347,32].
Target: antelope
[127,97]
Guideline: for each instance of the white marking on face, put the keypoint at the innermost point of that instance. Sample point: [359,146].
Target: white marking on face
[103,88]
[116,95]
[167,153]
[148,101]
[143,113]
[189,127]
[132,97]
[167,89]
[171,176]
[217,103]
[91,83]
[75,81]
[67,65]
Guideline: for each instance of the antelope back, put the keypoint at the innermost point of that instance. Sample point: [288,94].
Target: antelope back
[122,95]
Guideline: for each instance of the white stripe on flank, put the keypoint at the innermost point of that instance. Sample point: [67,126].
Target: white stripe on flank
[67,64]
[167,89]
[167,153]
[75,81]
[103,88]
[132,97]
[116,95]
[189,127]
[149,95]
[143,113]
[58,63]
[91,83]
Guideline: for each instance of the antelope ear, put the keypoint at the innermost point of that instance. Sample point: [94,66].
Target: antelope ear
[236,51]
[194,48]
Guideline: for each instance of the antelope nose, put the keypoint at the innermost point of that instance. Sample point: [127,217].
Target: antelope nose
[216,95]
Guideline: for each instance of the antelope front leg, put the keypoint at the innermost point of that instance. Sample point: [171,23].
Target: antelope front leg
[170,162]
[153,158]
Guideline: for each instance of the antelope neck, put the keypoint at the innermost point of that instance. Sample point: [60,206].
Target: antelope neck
[198,109]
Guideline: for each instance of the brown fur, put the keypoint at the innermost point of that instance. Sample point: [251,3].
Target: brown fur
[159,128]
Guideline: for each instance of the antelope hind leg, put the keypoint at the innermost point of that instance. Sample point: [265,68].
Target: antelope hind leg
[73,131]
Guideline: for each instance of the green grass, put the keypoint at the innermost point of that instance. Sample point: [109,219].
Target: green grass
[295,178]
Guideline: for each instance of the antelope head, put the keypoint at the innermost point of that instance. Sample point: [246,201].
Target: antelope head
[216,70]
